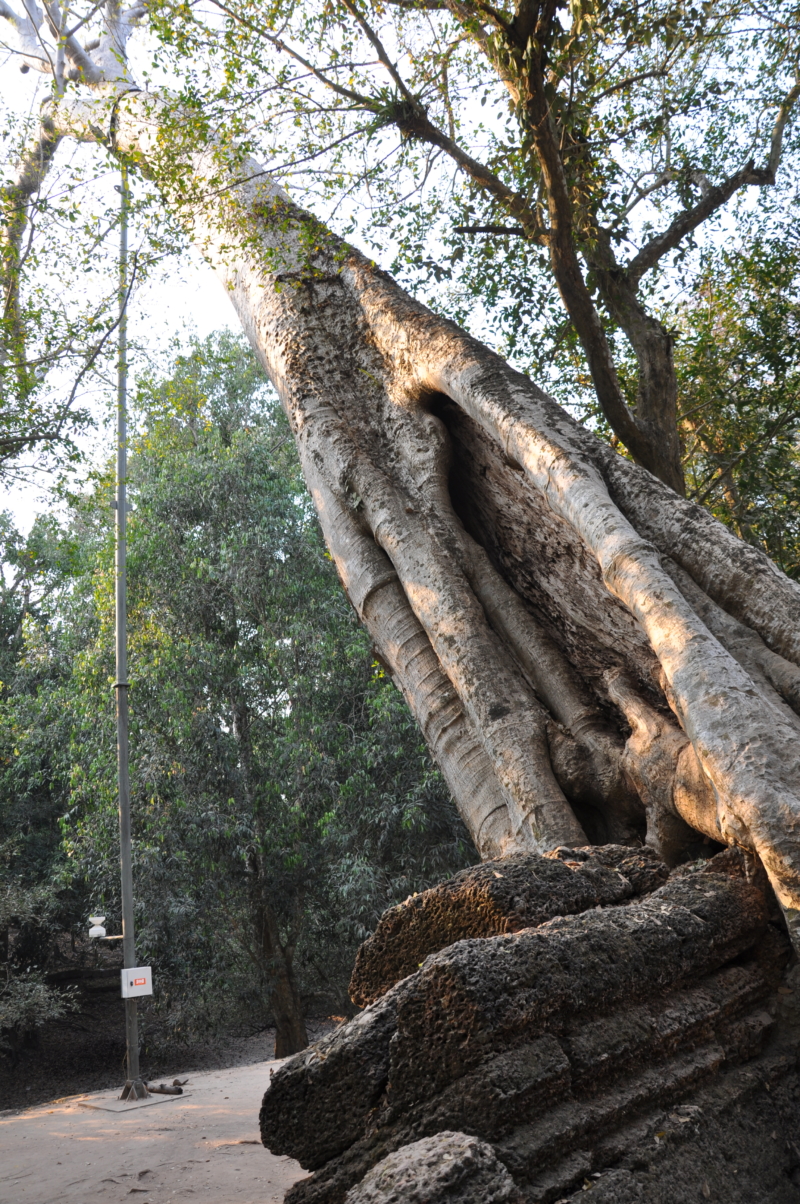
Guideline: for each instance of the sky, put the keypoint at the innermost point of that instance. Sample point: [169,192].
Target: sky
[184,298]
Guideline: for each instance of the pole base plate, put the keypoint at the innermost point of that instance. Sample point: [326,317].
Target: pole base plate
[134,1089]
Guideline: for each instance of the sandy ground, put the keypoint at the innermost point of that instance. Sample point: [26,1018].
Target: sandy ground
[201,1147]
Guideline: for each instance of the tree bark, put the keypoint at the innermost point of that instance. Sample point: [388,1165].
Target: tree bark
[274,953]
[550,610]
[656,413]
[276,958]
[15,196]
[650,433]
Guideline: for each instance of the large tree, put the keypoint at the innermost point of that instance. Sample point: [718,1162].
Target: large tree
[588,654]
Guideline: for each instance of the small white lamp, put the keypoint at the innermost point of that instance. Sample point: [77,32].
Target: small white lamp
[97,928]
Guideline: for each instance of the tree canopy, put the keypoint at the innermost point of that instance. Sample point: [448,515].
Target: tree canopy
[557,173]
[582,146]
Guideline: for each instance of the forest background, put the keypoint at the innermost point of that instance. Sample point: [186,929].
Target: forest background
[282,795]
[283,798]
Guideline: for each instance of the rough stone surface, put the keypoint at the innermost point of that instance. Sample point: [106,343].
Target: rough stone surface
[477,997]
[450,1167]
[507,895]
[642,866]
[328,1091]
[736,1141]
[563,1046]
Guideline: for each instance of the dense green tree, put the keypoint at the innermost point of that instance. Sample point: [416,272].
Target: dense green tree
[281,795]
[534,163]
[40,632]
[738,360]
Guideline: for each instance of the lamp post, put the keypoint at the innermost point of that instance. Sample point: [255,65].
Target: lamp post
[134,1087]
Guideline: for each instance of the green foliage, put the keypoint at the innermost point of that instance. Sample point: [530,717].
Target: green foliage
[59,283]
[738,358]
[41,630]
[28,1003]
[275,769]
[654,105]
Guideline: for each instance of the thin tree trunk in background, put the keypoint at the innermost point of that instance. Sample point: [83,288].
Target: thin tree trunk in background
[284,998]
[275,955]
[551,611]
[290,1027]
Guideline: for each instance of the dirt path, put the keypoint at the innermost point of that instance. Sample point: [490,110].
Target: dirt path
[201,1147]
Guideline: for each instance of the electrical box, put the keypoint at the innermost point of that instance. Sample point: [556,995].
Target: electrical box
[138,981]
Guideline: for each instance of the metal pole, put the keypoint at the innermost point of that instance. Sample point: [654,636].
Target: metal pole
[121,685]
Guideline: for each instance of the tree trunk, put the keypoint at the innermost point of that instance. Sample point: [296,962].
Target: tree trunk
[657,384]
[290,1027]
[650,432]
[588,655]
[276,958]
[275,955]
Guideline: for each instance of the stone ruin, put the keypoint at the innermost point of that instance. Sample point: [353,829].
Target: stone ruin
[540,1027]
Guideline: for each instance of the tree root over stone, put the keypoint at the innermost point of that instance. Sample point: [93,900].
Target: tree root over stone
[566,1047]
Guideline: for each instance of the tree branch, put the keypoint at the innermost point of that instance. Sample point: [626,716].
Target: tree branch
[379,50]
[363,101]
[517,231]
[111,59]
[15,196]
[525,21]
[85,20]
[702,492]
[415,123]
[31,46]
[715,197]
[109,66]
[98,347]
[690,219]
[627,82]
[569,276]
[68,46]
[14,199]
[471,22]
[776,142]
[497,18]
[640,194]
[431,5]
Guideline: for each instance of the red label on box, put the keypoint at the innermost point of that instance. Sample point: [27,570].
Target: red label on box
[140,982]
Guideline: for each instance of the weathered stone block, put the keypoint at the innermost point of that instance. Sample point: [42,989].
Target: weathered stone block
[542,1042]
[450,1167]
[497,897]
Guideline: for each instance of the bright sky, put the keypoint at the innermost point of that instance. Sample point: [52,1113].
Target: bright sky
[184,298]
[188,299]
